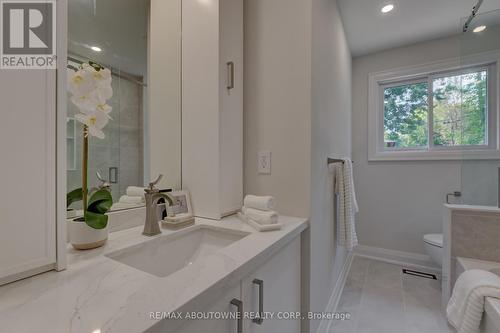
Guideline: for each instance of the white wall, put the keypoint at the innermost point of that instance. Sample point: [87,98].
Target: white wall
[399,201]
[299,108]
[331,137]
[277,95]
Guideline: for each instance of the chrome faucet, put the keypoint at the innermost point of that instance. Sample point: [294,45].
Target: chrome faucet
[152,195]
[104,185]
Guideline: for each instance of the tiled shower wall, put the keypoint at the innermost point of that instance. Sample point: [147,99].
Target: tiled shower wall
[122,147]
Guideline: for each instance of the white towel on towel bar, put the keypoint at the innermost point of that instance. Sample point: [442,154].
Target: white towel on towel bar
[348,205]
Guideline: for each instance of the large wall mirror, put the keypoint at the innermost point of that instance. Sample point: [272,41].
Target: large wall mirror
[139,41]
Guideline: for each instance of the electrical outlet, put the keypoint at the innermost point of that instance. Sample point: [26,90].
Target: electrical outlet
[264,162]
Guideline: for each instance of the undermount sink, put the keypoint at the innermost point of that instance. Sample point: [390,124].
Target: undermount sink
[168,254]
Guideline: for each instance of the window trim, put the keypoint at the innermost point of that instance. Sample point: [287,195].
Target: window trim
[426,73]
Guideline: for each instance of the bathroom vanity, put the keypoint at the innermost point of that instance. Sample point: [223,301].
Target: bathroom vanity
[131,284]
[176,109]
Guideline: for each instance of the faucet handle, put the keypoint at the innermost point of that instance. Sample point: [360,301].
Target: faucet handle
[104,182]
[154,182]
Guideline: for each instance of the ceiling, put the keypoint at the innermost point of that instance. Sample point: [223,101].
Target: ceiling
[118,27]
[412,21]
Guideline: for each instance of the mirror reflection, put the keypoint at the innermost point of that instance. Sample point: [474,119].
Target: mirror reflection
[114,34]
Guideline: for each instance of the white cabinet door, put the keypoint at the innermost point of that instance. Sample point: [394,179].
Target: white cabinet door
[221,306]
[200,105]
[27,198]
[212,105]
[281,292]
[231,106]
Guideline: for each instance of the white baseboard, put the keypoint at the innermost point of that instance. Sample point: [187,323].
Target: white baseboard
[408,259]
[333,302]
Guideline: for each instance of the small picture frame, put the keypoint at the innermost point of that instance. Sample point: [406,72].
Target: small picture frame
[182,207]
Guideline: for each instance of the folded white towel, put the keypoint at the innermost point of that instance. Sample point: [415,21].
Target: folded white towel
[466,306]
[135,191]
[126,199]
[266,203]
[260,216]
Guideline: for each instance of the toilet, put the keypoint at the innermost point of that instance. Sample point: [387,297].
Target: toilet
[434,247]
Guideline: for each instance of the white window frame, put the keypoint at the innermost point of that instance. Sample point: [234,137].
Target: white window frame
[428,72]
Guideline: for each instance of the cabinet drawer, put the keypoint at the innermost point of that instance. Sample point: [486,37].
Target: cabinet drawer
[278,282]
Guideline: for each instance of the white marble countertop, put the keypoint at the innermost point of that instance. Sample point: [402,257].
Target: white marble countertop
[98,293]
[492,305]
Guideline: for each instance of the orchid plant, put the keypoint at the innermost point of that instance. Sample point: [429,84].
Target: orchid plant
[90,87]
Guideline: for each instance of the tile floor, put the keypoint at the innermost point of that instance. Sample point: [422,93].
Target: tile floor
[380,298]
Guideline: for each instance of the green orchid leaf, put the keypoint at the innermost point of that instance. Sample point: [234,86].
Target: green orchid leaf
[101,208]
[99,204]
[95,220]
[74,196]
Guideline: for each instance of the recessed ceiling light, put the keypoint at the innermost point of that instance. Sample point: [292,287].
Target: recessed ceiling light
[96,48]
[387,8]
[479,29]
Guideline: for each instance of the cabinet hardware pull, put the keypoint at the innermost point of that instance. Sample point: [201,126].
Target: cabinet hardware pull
[260,320]
[230,75]
[239,305]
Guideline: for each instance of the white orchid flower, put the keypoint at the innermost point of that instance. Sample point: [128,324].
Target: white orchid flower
[85,103]
[80,83]
[105,108]
[91,103]
[91,89]
[102,93]
[102,77]
[95,122]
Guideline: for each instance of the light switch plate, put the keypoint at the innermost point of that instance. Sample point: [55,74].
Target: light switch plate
[264,162]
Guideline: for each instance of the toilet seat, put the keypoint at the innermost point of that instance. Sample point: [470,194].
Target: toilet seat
[434,239]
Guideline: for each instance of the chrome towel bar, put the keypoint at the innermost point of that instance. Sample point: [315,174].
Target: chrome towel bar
[335,160]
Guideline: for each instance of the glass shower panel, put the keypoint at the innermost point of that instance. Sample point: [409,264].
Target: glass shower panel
[477,121]
[129,147]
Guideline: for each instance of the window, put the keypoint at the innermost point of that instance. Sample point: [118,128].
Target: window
[460,109]
[406,113]
[440,114]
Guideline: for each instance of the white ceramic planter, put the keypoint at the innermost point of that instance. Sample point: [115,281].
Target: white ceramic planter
[83,237]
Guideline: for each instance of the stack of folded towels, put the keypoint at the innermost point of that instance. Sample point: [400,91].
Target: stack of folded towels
[260,209]
[134,197]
